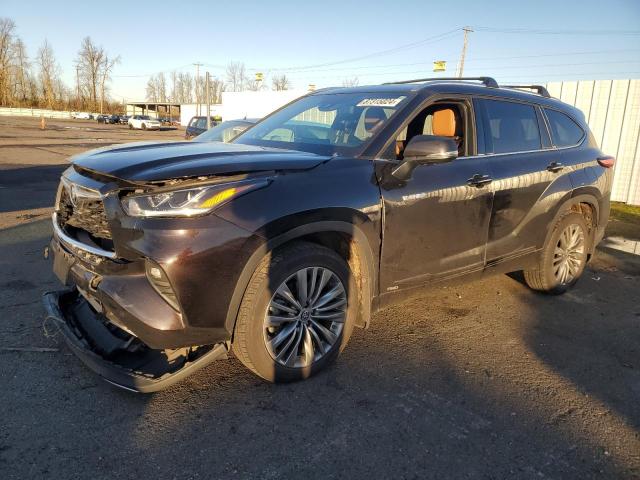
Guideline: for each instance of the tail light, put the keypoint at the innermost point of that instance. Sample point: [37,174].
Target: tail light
[606,161]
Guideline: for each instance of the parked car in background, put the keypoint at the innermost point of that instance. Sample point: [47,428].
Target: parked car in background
[81,116]
[111,119]
[198,125]
[124,119]
[226,131]
[144,122]
[346,200]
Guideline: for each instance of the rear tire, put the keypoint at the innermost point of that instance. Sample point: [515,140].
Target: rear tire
[144,126]
[284,339]
[563,258]
[130,127]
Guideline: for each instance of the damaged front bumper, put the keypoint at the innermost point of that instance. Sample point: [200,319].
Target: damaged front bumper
[117,356]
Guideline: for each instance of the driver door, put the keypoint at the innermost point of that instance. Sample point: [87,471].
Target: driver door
[436,222]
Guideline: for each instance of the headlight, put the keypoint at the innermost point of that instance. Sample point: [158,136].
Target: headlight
[187,202]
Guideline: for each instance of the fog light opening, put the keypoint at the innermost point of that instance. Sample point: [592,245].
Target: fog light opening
[160,283]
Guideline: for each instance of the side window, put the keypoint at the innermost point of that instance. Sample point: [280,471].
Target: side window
[202,123]
[423,124]
[513,127]
[194,122]
[566,132]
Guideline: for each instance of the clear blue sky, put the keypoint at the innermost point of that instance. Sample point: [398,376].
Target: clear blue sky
[556,40]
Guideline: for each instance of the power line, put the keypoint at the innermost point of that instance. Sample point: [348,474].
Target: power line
[503,67]
[433,39]
[535,31]
[182,67]
[562,64]
[473,60]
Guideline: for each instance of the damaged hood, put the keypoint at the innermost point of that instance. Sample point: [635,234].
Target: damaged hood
[157,161]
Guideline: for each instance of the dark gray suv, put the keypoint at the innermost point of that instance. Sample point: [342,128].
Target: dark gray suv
[281,242]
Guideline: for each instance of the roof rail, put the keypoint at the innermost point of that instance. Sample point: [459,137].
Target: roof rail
[488,81]
[538,88]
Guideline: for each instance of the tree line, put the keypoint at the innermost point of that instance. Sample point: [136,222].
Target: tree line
[37,81]
[183,87]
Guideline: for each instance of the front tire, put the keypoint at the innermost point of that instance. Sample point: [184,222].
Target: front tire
[563,258]
[144,126]
[297,313]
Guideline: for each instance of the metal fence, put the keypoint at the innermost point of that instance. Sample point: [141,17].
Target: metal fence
[612,110]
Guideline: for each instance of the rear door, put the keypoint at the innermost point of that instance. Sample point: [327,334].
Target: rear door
[526,179]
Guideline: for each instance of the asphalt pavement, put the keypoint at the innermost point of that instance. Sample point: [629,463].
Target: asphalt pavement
[483,380]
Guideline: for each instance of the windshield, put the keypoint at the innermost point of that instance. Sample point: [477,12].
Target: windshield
[326,124]
[225,132]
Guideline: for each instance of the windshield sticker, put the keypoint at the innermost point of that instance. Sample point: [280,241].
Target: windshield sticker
[380,102]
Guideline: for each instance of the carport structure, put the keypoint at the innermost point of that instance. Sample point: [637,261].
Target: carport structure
[154,109]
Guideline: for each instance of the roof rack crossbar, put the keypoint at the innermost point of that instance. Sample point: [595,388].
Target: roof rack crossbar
[538,88]
[488,81]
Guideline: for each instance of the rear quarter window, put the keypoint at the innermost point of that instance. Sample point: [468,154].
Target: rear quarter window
[565,132]
[513,127]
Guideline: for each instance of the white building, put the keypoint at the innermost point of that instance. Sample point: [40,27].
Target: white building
[236,105]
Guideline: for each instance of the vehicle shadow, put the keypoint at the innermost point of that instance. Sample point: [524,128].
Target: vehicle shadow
[590,334]
[29,187]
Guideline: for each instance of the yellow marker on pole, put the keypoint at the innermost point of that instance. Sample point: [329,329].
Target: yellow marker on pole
[43,123]
[439,66]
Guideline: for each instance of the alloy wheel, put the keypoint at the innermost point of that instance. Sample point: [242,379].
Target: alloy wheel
[569,254]
[305,317]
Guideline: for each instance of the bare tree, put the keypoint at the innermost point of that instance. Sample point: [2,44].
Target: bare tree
[281,82]
[49,74]
[186,87]
[351,82]
[107,67]
[7,27]
[152,89]
[216,86]
[236,76]
[90,61]
[22,72]
[162,87]
[173,94]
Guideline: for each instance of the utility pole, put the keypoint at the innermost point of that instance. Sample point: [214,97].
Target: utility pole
[206,86]
[466,30]
[198,65]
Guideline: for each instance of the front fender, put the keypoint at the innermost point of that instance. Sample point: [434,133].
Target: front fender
[355,232]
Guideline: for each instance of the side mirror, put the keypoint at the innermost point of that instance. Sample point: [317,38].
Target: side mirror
[425,150]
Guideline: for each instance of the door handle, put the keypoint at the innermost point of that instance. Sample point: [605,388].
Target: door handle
[555,167]
[479,180]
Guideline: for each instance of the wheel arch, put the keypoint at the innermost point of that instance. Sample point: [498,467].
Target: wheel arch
[583,201]
[347,239]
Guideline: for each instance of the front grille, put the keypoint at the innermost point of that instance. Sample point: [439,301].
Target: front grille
[85,214]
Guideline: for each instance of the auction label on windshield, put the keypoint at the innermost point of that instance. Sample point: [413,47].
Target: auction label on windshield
[380,102]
